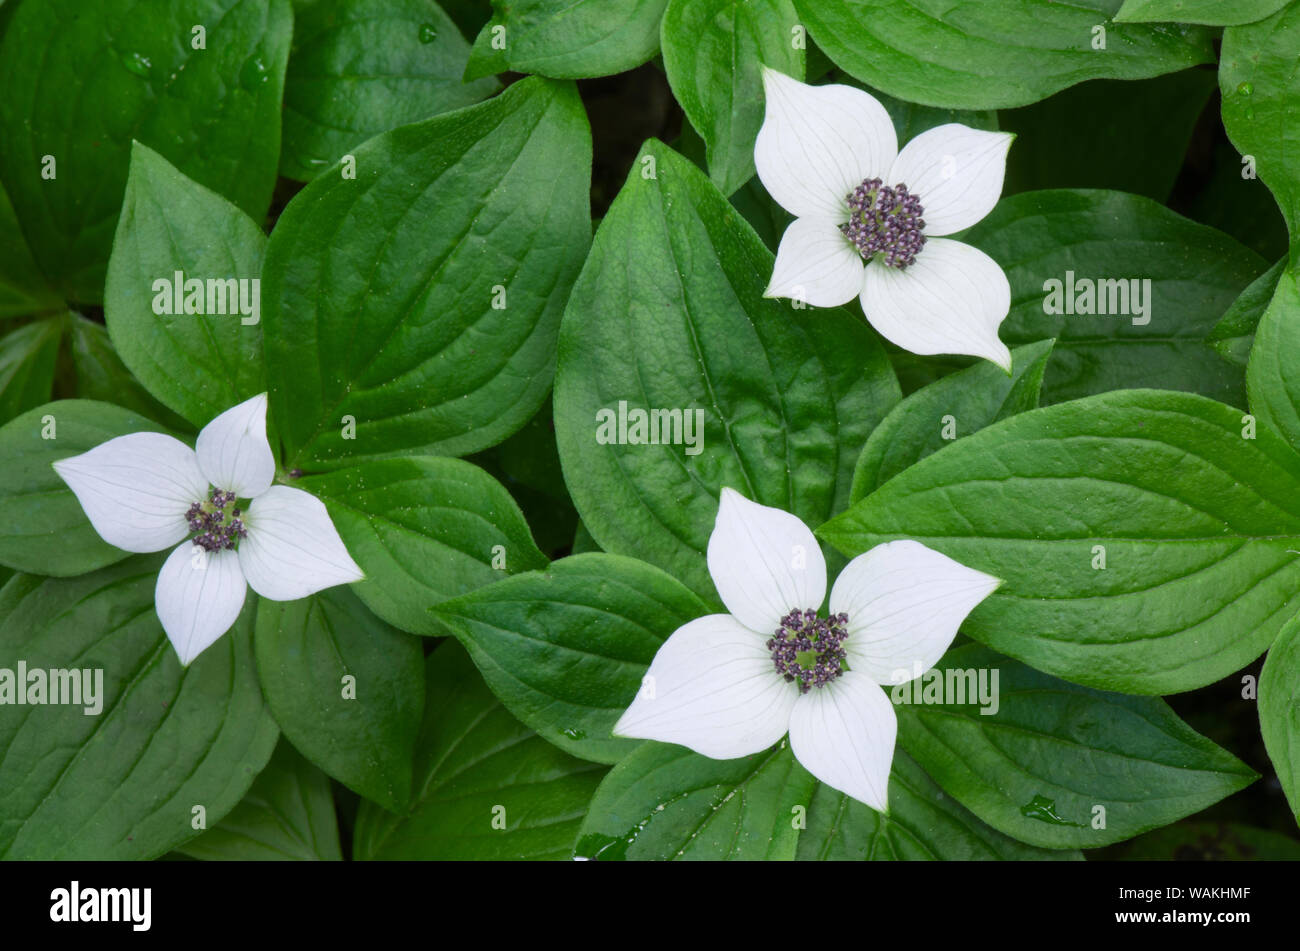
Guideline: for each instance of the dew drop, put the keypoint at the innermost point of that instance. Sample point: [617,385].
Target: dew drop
[137,63]
[1249,113]
[1044,810]
[1245,89]
[428,33]
[253,74]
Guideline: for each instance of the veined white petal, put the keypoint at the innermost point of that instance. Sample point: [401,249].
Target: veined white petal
[764,562]
[135,489]
[233,451]
[198,598]
[952,299]
[956,172]
[843,733]
[818,143]
[905,603]
[712,687]
[292,549]
[816,264]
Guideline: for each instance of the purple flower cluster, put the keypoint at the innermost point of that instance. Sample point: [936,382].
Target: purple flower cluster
[209,520]
[885,220]
[808,650]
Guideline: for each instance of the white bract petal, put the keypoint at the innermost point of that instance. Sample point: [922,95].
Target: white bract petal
[950,300]
[198,598]
[135,489]
[712,687]
[956,172]
[843,733]
[905,603]
[818,143]
[816,264]
[292,548]
[233,451]
[764,563]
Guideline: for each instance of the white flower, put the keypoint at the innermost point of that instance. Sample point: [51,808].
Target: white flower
[729,685]
[823,148]
[147,491]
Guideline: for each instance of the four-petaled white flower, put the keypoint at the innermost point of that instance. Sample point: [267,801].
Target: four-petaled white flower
[729,685]
[145,492]
[869,219]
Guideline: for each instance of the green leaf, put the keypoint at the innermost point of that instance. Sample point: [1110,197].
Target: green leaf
[714,51]
[423,530]
[174,231]
[454,247]
[973,398]
[1153,118]
[122,783]
[42,526]
[23,289]
[669,315]
[28,356]
[1208,12]
[664,802]
[288,814]
[1279,710]
[1040,766]
[1234,334]
[486,787]
[923,823]
[1194,522]
[101,374]
[82,82]
[567,39]
[1273,373]
[345,688]
[973,54]
[565,649]
[1099,236]
[362,67]
[1259,83]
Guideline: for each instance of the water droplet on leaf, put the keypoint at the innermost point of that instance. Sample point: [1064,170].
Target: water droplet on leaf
[253,74]
[1044,810]
[428,33]
[1245,89]
[137,63]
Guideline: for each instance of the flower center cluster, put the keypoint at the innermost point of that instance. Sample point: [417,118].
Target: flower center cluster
[217,529]
[807,649]
[885,220]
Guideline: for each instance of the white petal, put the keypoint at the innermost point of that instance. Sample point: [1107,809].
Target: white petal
[292,549]
[764,562]
[135,489]
[233,451]
[816,264]
[198,597]
[844,735]
[818,143]
[950,300]
[956,172]
[905,603]
[712,687]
